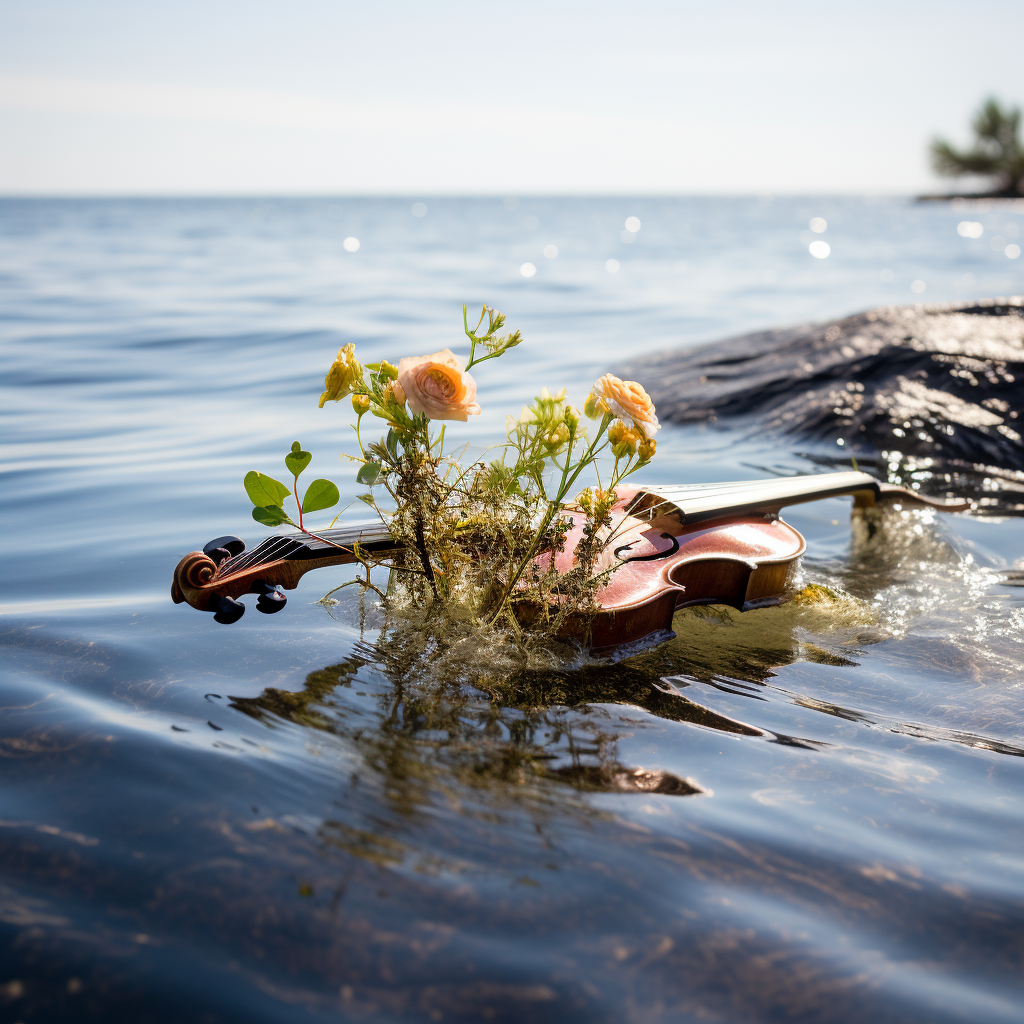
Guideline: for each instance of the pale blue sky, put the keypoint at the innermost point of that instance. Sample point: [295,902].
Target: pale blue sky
[450,97]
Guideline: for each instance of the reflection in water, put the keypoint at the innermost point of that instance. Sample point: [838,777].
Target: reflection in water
[446,728]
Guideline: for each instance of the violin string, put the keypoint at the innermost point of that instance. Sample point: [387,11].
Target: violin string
[242,559]
[260,554]
[245,559]
[276,547]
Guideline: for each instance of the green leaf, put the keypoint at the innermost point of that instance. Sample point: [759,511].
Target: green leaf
[297,460]
[270,515]
[320,494]
[264,490]
[368,498]
[368,473]
[392,443]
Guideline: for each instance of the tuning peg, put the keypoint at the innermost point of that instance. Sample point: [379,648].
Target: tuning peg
[271,599]
[228,610]
[224,547]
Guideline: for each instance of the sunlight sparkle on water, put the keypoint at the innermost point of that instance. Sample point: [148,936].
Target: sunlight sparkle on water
[970,229]
[550,251]
[819,249]
[633,224]
[918,286]
[527,270]
[818,224]
[612,266]
[351,244]
[1012,251]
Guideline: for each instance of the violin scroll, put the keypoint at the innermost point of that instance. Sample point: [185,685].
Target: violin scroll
[193,572]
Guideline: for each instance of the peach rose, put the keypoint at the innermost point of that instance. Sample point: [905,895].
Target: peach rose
[628,401]
[437,386]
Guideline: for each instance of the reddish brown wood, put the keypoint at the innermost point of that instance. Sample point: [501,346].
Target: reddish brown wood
[742,561]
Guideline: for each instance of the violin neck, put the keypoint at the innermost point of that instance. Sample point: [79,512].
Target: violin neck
[325,547]
[696,503]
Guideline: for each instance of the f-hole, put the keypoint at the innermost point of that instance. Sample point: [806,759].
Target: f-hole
[649,558]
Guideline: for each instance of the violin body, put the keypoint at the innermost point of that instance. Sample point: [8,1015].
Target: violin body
[670,547]
[744,561]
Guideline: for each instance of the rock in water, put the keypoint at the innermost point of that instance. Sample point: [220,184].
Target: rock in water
[938,383]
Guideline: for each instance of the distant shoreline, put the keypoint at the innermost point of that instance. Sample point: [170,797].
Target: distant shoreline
[966,195]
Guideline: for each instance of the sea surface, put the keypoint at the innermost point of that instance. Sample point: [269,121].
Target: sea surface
[280,821]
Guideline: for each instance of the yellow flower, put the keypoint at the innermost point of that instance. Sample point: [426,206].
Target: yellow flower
[625,440]
[627,400]
[646,449]
[345,372]
[616,432]
[360,404]
[554,439]
[437,386]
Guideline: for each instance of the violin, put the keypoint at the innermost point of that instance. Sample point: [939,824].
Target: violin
[671,547]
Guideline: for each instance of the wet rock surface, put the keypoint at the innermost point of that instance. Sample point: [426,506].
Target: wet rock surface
[938,385]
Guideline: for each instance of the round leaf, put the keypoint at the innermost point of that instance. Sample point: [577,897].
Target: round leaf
[270,515]
[297,460]
[320,494]
[368,473]
[264,490]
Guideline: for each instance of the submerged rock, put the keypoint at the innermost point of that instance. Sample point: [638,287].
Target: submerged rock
[940,383]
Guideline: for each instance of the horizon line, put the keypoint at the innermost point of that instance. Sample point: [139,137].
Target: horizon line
[502,195]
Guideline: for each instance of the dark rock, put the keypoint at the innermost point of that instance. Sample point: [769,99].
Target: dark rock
[936,384]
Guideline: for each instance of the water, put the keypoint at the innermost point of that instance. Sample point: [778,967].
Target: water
[273,822]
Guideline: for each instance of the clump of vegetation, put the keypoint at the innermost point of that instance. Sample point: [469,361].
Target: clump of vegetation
[482,541]
[997,151]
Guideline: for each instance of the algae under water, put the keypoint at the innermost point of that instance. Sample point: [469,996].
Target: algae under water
[809,812]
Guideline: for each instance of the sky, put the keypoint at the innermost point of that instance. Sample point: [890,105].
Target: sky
[557,97]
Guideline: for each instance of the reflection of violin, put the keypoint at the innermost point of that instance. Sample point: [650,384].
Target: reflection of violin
[673,546]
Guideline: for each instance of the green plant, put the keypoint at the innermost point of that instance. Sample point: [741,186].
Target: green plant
[997,150]
[269,495]
[483,538]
